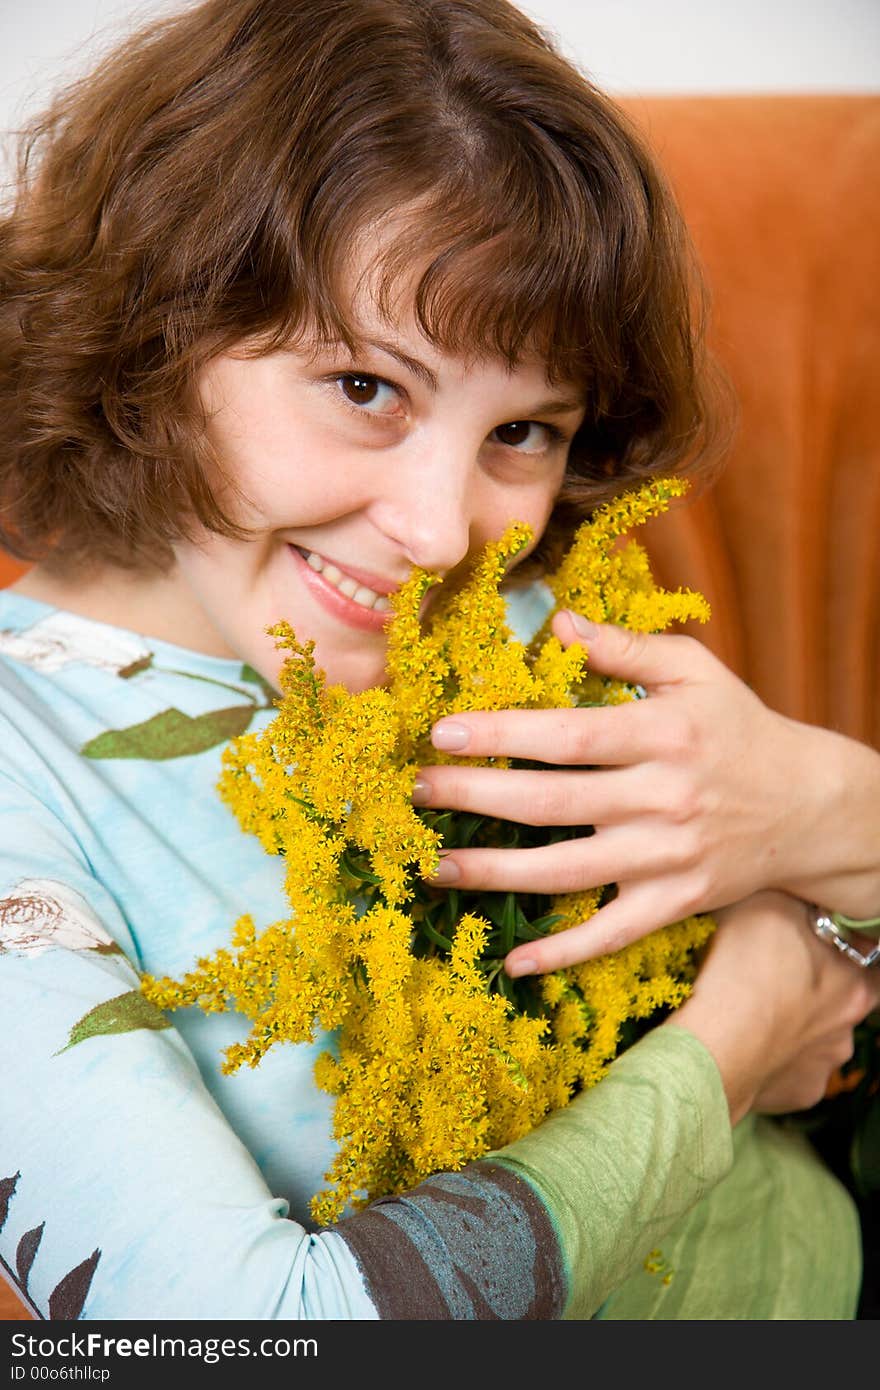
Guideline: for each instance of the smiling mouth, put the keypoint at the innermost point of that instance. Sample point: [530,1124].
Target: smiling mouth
[343,583]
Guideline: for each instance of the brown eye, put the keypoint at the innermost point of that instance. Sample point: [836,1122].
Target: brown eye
[518,432]
[360,390]
[514,433]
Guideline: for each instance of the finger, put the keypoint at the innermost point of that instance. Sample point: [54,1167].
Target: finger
[614,854]
[649,659]
[639,909]
[601,797]
[615,735]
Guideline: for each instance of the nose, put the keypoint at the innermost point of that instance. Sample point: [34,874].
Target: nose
[427,506]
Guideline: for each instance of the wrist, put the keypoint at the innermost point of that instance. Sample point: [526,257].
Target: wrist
[729,1044]
[847,935]
[833,848]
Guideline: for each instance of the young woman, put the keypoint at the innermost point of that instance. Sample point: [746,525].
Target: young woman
[297,295]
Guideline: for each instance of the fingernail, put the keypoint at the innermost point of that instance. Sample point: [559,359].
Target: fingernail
[447,871]
[518,967]
[421,792]
[450,737]
[582,626]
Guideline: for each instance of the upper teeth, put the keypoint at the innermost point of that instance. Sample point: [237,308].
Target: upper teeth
[367,598]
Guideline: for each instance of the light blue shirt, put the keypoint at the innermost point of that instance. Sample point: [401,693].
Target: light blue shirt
[160,1163]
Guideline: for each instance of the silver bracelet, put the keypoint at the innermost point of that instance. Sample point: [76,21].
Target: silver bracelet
[825,924]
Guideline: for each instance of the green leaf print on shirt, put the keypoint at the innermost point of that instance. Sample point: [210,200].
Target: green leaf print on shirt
[254,678]
[171,734]
[124,1013]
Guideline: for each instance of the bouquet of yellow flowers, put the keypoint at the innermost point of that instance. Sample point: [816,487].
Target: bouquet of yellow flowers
[435,1056]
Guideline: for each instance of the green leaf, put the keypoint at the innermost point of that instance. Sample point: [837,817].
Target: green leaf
[125,1013]
[506,988]
[357,869]
[467,826]
[533,931]
[171,734]
[434,936]
[493,907]
[508,923]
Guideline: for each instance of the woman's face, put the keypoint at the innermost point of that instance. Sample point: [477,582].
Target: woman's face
[352,470]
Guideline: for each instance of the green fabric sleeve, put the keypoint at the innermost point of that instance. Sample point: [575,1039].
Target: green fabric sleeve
[625,1161]
[776,1240]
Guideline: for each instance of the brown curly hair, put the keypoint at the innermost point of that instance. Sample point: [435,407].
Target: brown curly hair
[206,184]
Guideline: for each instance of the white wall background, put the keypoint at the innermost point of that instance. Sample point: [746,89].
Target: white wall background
[719,45]
[625,45]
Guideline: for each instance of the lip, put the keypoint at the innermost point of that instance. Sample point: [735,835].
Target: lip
[344,609]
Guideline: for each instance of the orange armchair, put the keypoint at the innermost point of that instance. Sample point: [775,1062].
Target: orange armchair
[783,202]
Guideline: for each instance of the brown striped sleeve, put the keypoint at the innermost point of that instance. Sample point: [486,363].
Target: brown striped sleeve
[477,1244]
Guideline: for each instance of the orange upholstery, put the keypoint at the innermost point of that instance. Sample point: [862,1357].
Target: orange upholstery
[11,1307]
[9,570]
[783,201]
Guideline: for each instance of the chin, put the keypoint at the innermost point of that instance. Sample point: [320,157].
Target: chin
[354,670]
[353,660]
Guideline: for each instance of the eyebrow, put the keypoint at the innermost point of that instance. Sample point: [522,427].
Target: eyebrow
[412,364]
[554,405]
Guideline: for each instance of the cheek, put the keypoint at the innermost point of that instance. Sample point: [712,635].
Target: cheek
[300,482]
[209,565]
[532,505]
[546,501]
[544,506]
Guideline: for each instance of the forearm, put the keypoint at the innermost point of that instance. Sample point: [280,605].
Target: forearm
[834,853]
[619,1166]
[735,1040]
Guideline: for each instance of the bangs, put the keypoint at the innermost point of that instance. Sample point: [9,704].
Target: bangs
[514,249]
[480,292]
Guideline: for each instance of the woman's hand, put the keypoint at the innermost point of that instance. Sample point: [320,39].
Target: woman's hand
[775,1006]
[699,796]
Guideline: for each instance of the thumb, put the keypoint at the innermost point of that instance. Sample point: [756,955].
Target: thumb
[645,658]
